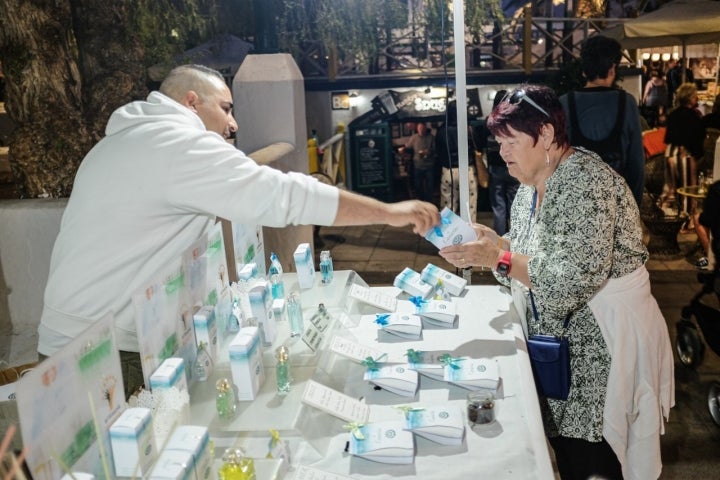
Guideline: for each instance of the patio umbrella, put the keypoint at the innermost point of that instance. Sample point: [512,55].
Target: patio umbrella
[681,22]
[224,53]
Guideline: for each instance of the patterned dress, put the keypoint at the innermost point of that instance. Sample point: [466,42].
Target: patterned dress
[586,230]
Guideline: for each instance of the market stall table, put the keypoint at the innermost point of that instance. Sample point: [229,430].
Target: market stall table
[513,447]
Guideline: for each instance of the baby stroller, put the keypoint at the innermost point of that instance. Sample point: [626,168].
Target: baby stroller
[689,343]
[704,311]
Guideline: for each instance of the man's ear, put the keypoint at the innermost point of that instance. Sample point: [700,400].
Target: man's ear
[190,100]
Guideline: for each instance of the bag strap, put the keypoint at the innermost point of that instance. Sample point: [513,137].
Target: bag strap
[537,318]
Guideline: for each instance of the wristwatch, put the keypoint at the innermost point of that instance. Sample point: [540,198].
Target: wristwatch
[503,266]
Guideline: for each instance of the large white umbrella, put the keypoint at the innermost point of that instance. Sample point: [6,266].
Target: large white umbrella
[681,22]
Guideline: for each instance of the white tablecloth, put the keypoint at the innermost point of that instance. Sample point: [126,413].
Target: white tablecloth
[512,447]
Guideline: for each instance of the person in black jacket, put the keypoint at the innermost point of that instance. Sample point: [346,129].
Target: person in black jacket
[686,135]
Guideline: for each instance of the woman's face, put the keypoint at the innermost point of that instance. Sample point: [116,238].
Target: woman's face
[524,160]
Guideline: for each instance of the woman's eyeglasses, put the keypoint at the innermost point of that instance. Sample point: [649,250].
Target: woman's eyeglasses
[518,96]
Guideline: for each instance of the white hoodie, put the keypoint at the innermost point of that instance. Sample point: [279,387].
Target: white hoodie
[141,196]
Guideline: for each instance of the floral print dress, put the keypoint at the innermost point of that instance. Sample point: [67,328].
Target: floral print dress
[586,230]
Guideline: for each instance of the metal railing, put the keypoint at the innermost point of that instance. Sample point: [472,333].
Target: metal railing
[524,43]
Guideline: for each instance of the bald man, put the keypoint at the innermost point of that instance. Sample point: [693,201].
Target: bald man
[155,184]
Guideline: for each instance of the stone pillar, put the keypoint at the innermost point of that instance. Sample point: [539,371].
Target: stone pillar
[269,98]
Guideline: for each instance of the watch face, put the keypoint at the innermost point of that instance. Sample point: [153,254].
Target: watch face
[502,269]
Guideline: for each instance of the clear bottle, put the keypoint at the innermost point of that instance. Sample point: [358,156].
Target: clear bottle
[203,363]
[295,314]
[282,369]
[275,273]
[326,266]
[233,325]
[225,402]
[701,183]
[236,466]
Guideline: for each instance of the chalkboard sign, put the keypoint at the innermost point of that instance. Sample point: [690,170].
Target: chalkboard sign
[371,160]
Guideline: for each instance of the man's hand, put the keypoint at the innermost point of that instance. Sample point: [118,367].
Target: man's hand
[421,215]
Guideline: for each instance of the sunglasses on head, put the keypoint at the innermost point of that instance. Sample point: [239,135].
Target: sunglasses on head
[518,96]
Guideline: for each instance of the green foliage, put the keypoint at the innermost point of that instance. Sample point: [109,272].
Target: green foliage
[568,77]
[351,30]
[168,27]
[478,15]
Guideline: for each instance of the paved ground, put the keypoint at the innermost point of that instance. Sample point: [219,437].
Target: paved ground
[691,444]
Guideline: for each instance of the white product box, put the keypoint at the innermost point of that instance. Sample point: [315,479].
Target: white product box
[195,440]
[305,266]
[246,363]
[261,307]
[173,465]
[206,330]
[278,308]
[410,282]
[170,373]
[451,283]
[248,271]
[132,442]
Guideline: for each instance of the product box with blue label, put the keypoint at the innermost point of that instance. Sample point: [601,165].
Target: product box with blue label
[246,363]
[409,281]
[173,465]
[305,266]
[206,330]
[133,442]
[195,440]
[170,373]
[261,306]
[451,283]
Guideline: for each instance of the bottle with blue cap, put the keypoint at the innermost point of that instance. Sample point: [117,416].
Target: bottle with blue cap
[277,286]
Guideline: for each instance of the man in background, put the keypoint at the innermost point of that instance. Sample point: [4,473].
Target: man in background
[605,119]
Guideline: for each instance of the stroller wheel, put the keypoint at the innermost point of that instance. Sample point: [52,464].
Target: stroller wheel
[690,347]
[714,402]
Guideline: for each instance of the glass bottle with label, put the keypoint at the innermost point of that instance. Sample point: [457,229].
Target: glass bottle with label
[326,266]
[282,369]
[295,315]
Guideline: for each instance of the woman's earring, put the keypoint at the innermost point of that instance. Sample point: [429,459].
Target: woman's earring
[547,159]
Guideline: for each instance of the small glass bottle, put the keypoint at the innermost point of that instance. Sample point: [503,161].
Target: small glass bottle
[225,399]
[701,183]
[236,466]
[275,272]
[295,315]
[326,266]
[282,369]
[203,363]
[233,325]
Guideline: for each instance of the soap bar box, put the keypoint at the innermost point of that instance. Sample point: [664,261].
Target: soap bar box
[246,364]
[196,441]
[173,465]
[133,442]
[305,266]
[384,442]
[451,283]
[170,373]
[410,282]
[206,330]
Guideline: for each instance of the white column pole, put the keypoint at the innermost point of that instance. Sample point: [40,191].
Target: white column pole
[461,97]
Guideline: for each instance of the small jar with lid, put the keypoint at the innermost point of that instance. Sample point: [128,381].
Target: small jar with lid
[480,408]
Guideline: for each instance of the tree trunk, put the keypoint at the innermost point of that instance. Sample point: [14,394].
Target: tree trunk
[67,66]
[111,59]
[43,88]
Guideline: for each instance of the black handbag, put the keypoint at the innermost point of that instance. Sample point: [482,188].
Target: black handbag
[550,361]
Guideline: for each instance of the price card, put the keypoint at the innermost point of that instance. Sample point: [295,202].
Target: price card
[335,403]
[374,298]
